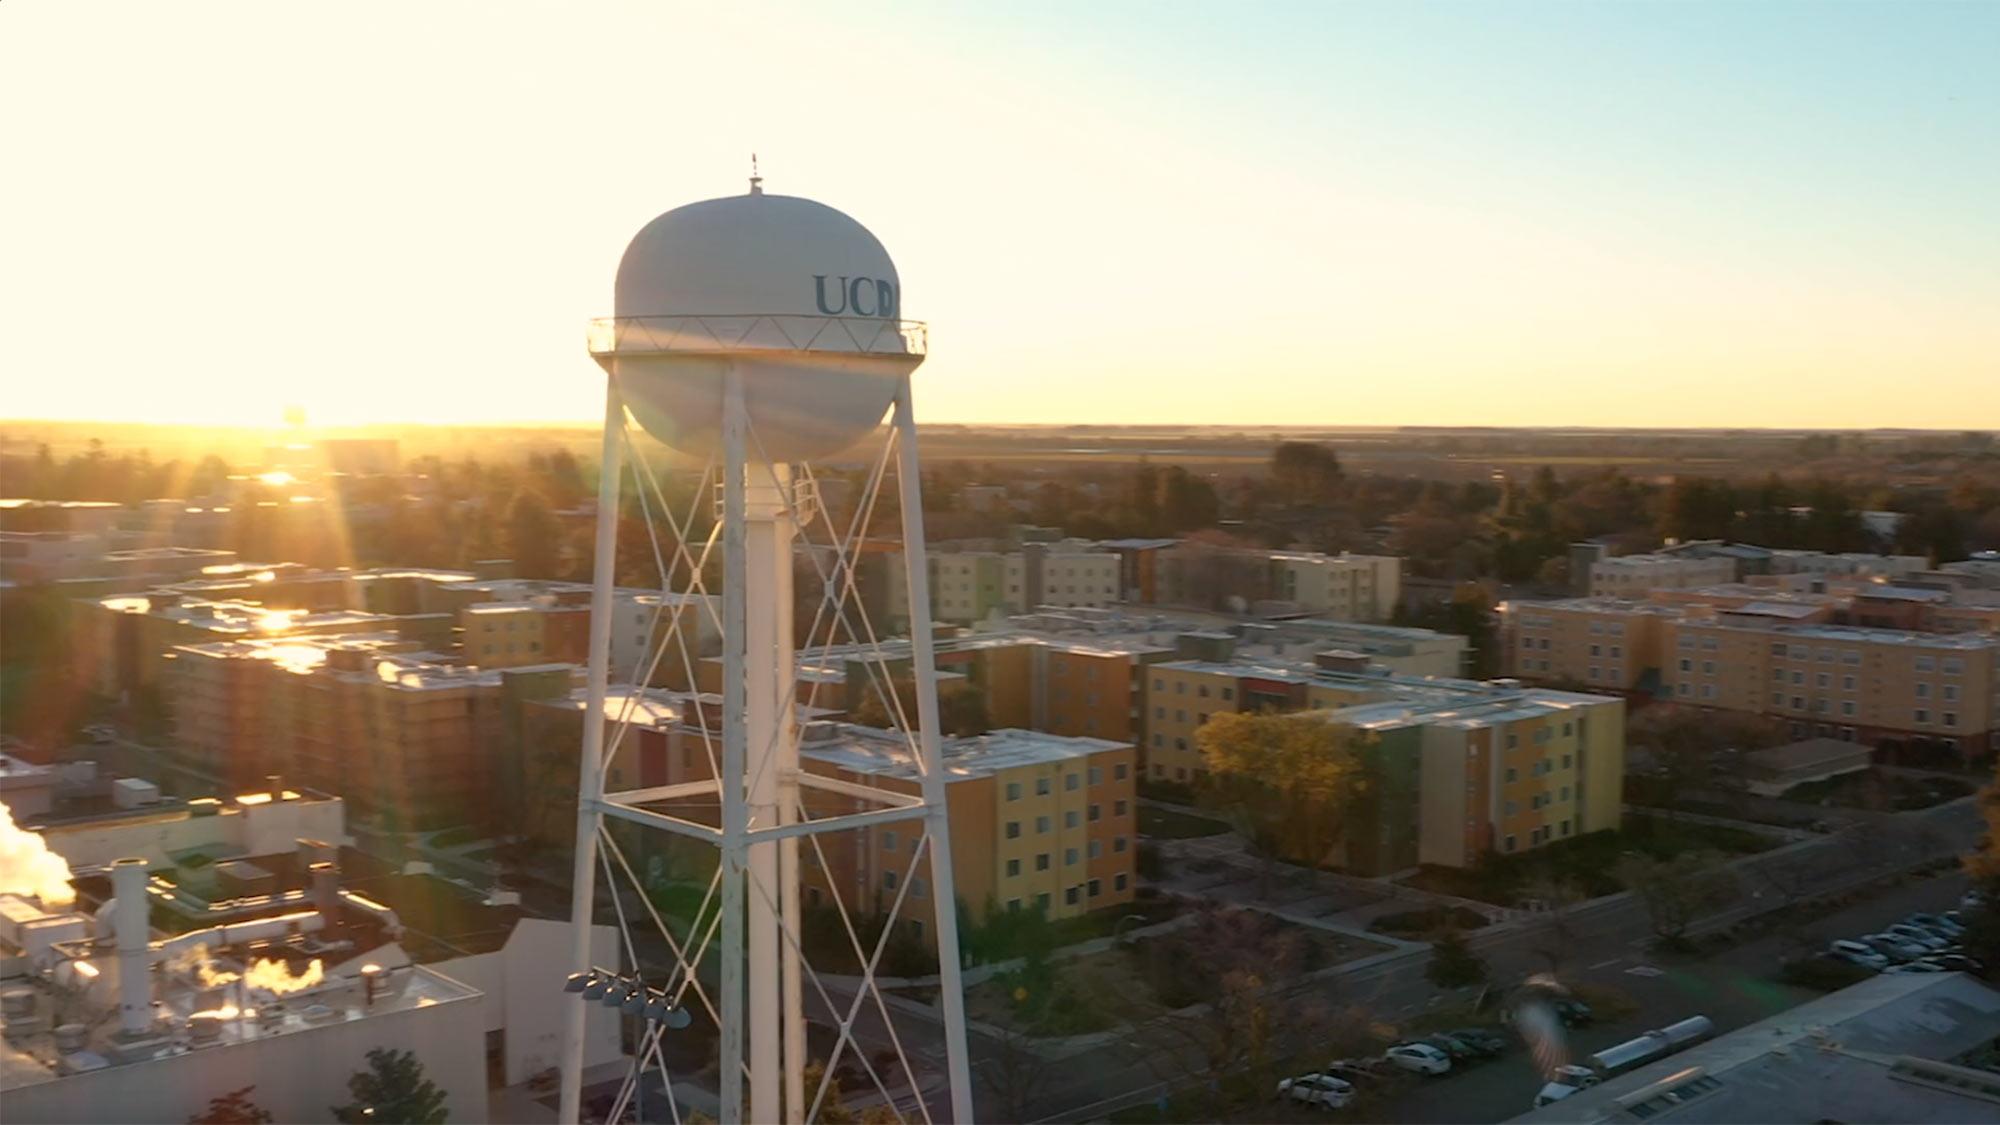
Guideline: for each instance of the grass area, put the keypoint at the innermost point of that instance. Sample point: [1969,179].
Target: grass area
[1588,864]
[1172,824]
[1874,789]
[457,835]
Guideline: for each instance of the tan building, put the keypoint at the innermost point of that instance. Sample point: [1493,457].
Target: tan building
[1346,587]
[1629,576]
[1771,658]
[1038,821]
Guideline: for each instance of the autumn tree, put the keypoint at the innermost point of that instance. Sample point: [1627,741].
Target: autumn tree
[392,1090]
[1678,891]
[233,1108]
[1285,780]
[534,536]
[1305,473]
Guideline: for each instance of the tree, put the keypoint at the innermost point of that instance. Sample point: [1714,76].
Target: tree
[534,536]
[1305,473]
[961,707]
[1678,891]
[233,1108]
[1015,1074]
[392,1089]
[1285,780]
[1453,963]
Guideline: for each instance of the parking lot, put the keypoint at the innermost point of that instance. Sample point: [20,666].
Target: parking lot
[1733,988]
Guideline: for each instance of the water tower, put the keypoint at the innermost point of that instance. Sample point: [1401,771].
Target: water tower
[755,334]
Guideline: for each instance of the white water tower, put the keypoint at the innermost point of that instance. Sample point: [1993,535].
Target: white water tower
[757,333]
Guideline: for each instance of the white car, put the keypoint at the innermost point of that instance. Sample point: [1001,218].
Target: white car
[1855,953]
[1896,947]
[1317,1089]
[1925,966]
[1419,1057]
[1564,1081]
[1949,927]
[1930,940]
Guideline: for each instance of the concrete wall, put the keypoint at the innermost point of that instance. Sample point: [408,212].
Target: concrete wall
[246,830]
[298,1077]
[522,985]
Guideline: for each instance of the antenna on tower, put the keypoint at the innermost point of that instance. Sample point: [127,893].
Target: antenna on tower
[756,181]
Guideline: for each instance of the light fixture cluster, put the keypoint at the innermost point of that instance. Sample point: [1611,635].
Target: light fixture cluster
[629,995]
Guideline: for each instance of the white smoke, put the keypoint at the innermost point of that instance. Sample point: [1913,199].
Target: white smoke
[28,867]
[276,977]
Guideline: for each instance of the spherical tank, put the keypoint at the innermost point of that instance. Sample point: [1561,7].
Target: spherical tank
[801,301]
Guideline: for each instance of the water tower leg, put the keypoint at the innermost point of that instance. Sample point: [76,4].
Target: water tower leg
[735,814]
[590,778]
[951,989]
[768,736]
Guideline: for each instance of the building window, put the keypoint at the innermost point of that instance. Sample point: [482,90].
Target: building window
[1042,902]
[1094,811]
[1069,819]
[1923,691]
[1013,904]
[1095,849]
[1069,896]
[1922,715]
[1509,843]
[1041,787]
[888,880]
[1118,843]
[1513,774]
[1119,772]
[1229,693]
[1069,857]
[917,887]
[1118,881]
[1041,824]
[1013,868]
[1097,775]
[1951,718]
[1013,830]
[888,839]
[1118,807]
[1013,790]
[1095,888]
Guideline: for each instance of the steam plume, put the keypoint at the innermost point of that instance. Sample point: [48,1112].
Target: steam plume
[28,867]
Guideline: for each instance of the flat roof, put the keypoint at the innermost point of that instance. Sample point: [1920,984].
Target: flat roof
[866,750]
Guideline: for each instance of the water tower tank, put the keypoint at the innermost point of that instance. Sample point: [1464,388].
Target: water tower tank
[797,297]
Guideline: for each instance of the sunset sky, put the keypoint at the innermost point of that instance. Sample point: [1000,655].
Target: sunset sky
[1758,214]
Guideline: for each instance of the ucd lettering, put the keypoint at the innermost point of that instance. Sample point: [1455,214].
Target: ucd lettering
[860,296]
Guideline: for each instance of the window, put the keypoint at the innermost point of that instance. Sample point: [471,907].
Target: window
[1822,680]
[1565,792]
[1926,664]
[1042,901]
[1041,787]
[1510,843]
[1847,683]
[1042,861]
[1597,650]
[1119,772]
[1953,666]
[1513,807]
[1951,693]
[1118,881]
[1777,699]
[888,839]
[1159,712]
[1847,707]
[888,880]
[1095,888]
[1923,691]
[1118,808]
[1951,718]
[1180,716]
[1013,830]
[1095,849]
[1777,675]
[1013,790]
[1680,689]
[1041,824]
[917,887]
[1013,904]
[1069,857]
[1159,684]
[1513,774]
[1159,740]
[1070,819]
[1180,687]
[1097,775]
[1094,812]
[1118,843]
[1070,896]
[1922,715]
[1708,667]
[1686,664]
[1202,691]
[1013,868]
[1229,693]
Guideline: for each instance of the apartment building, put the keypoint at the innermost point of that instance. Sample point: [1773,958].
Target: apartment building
[1038,821]
[1777,659]
[1451,779]
[969,586]
[1346,587]
[1634,575]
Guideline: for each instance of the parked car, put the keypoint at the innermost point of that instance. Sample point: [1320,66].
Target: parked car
[1363,1071]
[1486,1039]
[1894,948]
[1972,900]
[1917,935]
[1957,962]
[1564,1081]
[1950,927]
[1856,953]
[1924,965]
[1422,1058]
[1573,1012]
[1317,1089]
[1460,1050]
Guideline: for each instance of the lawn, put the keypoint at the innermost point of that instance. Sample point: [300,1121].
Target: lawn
[1172,824]
[1587,863]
